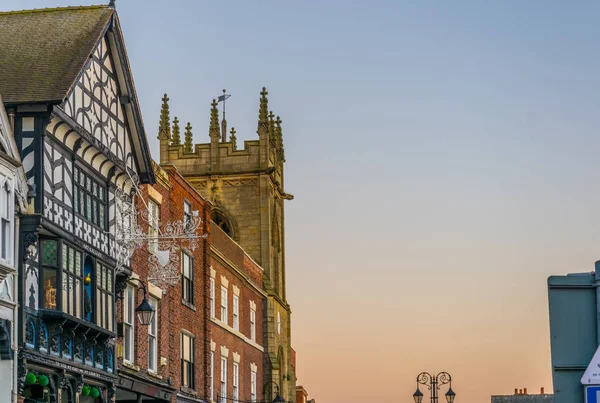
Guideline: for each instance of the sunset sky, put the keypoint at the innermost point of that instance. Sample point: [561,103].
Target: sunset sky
[444,158]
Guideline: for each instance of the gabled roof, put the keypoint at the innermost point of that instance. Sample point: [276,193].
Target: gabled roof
[42,51]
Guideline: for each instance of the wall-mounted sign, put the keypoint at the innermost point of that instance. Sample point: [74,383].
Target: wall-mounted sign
[591,376]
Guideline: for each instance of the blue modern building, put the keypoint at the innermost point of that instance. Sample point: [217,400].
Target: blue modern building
[574,307]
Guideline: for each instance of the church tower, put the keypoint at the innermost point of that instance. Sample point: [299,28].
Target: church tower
[246,188]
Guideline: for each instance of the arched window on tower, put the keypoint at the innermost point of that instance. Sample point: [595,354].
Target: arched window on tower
[222,222]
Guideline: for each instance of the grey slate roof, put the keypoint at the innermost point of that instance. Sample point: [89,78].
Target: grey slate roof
[42,51]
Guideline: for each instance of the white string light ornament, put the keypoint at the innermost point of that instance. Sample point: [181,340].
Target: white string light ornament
[164,247]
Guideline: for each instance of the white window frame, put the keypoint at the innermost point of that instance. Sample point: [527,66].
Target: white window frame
[192,361]
[236,312]
[153,225]
[253,381]
[236,381]
[187,213]
[252,324]
[223,389]
[187,274]
[129,324]
[7,232]
[212,375]
[153,336]
[212,297]
[224,304]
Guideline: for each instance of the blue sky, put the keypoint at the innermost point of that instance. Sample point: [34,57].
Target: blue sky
[443,158]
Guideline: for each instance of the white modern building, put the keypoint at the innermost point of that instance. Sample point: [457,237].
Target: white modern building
[13,193]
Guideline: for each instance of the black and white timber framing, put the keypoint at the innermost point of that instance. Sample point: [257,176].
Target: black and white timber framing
[75,154]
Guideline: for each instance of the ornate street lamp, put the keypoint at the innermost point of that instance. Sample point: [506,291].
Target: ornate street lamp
[144,311]
[418,396]
[433,383]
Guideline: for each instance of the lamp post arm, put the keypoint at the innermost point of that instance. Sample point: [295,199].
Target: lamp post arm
[140,282]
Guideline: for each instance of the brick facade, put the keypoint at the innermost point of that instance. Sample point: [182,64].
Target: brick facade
[174,315]
[232,269]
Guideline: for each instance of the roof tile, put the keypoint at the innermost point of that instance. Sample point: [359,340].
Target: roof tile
[42,51]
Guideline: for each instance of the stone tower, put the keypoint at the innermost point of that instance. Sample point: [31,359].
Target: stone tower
[246,188]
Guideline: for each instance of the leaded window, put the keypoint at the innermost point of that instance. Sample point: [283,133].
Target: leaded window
[50,273]
[89,198]
[72,280]
[104,296]
[187,361]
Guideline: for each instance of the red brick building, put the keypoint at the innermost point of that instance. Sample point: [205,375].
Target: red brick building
[236,322]
[167,360]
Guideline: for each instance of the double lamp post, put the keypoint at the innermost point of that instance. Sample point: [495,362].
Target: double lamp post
[433,383]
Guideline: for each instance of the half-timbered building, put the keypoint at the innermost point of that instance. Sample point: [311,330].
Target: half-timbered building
[68,89]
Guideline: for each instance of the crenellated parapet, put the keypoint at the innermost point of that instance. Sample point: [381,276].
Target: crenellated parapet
[223,157]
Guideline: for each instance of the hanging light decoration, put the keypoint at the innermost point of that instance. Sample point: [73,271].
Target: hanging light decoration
[163,262]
